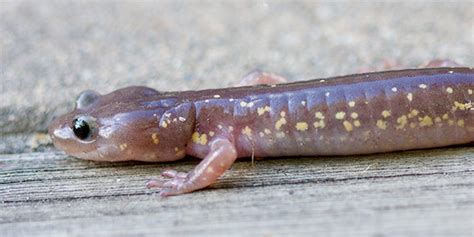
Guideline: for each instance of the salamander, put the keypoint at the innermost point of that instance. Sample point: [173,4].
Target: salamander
[346,115]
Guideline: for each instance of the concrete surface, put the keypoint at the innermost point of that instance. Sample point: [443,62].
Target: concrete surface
[52,50]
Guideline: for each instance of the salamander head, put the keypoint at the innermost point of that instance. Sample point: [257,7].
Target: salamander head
[135,123]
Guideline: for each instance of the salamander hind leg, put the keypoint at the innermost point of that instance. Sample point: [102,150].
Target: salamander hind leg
[392,64]
[221,156]
[440,63]
[257,77]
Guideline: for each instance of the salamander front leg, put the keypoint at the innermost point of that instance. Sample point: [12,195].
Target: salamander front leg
[221,156]
[258,77]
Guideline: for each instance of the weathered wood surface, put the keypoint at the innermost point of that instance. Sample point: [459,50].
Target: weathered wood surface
[416,193]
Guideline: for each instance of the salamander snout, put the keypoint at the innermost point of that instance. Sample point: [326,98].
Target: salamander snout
[75,135]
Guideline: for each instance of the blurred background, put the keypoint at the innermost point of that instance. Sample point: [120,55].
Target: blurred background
[52,50]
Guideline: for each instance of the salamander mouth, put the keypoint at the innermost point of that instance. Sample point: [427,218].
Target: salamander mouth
[93,155]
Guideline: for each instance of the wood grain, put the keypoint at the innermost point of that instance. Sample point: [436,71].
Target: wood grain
[417,193]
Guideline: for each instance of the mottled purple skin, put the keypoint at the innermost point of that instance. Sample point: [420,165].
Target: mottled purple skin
[372,93]
[355,114]
[204,113]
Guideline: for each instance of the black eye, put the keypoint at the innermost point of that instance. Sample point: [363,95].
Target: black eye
[82,128]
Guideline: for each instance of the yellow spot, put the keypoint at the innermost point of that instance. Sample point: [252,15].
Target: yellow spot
[351,103]
[413,113]
[445,116]
[382,124]
[262,110]
[279,123]
[123,146]
[423,86]
[282,113]
[347,125]
[243,103]
[401,121]
[449,90]
[461,106]
[319,124]
[319,115]
[247,131]
[366,135]
[210,170]
[426,121]
[386,113]
[180,153]
[356,123]
[176,148]
[280,135]
[460,123]
[340,115]
[301,126]
[199,138]
[155,138]
[469,91]
[438,120]
[450,122]
[412,125]
[164,124]
[267,131]
[211,133]
[354,115]
[410,96]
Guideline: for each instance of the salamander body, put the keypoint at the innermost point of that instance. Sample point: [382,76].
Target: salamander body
[355,114]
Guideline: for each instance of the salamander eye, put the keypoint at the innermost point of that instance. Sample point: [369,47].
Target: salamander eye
[83,127]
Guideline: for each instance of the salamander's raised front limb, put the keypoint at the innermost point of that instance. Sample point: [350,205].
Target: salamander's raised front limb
[221,156]
[258,77]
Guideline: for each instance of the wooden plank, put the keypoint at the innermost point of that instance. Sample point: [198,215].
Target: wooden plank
[425,193]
